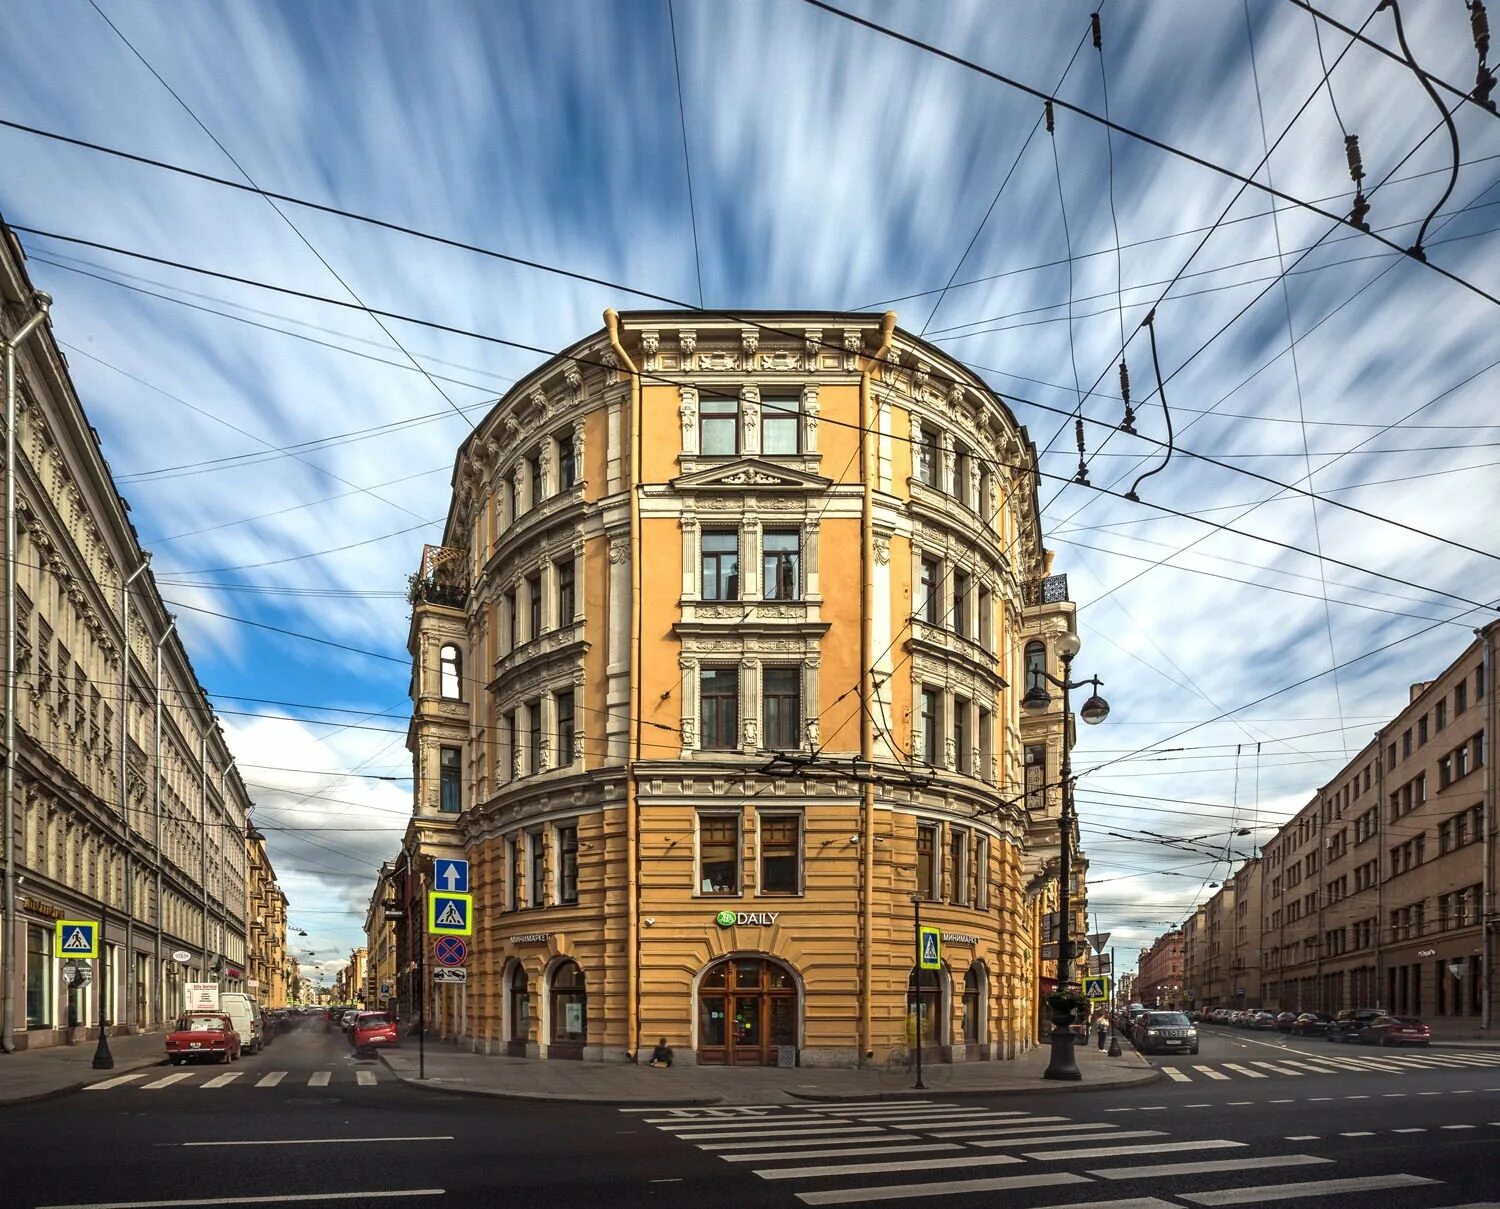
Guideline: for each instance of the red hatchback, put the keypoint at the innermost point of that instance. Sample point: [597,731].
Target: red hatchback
[200,1036]
[1395,1030]
[373,1030]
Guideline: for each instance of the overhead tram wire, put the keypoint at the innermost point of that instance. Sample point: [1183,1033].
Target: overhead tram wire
[1114,218]
[1139,136]
[281,213]
[687,159]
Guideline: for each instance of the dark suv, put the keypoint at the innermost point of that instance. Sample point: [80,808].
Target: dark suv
[1347,1024]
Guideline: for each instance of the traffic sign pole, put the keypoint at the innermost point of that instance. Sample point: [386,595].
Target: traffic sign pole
[1114,1009]
[103,1059]
[916,905]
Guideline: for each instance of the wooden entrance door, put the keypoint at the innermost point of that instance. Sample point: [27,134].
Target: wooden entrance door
[747,1010]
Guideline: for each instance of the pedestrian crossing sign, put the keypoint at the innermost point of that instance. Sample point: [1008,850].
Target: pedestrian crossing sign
[929,950]
[1096,987]
[450,913]
[76,938]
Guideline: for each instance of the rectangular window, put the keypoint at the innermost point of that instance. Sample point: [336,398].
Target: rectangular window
[517,868]
[931,722]
[718,853]
[450,782]
[1421,730]
[961,581]
[1406,744]
[982,873]
[534,466]
[1461,762]
[781,426]
[38,979]
[512,621]
[780,853]
[567,862]
[1036,776]
[567,466]
[781,712]
[927,834]
[565,600]
[985,608]
[566,734]
[781,564]
[962,756]
[1479,683]
[961,473]
[986,742]
[1445,771]
[719,696]
[534,724]
[1460,696]
[1440,715]
[721,565]
[508,745]
[534,607]
[538,880]
[719,427]
[958,862]
[927,592]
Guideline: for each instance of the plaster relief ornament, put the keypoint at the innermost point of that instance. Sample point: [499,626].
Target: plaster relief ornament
[814,339]
[651,346]
[687,341]
[852,344]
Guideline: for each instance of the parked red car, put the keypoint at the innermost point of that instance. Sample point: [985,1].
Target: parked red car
[1395,1030]
[373,1030]
[200,1036]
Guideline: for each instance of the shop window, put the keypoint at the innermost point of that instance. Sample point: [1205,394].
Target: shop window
[927,850]
[718,853]
[719,695]
[974,996]
[569,1010]
[719,427]
[924,1007]
[450,672]
[780,853]
[567,863]
[721,565]
[39,998]
[781,564]
[781,708]
[520,1010]
[450,780]
[781,426]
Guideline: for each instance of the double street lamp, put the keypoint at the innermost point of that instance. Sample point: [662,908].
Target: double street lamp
[1064,1061]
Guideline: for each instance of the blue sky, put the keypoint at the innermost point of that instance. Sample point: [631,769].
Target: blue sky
[831,168]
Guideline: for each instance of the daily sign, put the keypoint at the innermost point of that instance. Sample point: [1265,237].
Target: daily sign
[746,919]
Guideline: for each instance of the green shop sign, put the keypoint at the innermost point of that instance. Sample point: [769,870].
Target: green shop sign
[746,919]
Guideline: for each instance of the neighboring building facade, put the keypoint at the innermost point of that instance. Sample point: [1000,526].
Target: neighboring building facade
[1159,972]
[719,666]
[1380,891]
[266,963]
[380,942]
[126,805]
[356,975]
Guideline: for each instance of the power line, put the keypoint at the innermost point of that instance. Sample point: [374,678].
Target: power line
[687,159]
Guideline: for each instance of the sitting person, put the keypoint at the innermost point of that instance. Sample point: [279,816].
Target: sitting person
[662,1054]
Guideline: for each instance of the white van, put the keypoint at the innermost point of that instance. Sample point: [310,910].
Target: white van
[248,1023]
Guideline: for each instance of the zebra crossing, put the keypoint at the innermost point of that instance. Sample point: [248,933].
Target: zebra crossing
[206,1079]
[882,1150]
[1300,1064]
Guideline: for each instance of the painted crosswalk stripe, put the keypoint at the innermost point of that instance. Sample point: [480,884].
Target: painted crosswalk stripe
[320,1078]
[842,1107]
[1110,1152]
[1067,1140]
[365,1078]
[812,1173]
[1242,1070]
[106,1084]
[1287,1192]
[924,1191]
[1210,1072]
[1307,1066]
[271,1080]
[223,1080]
[856,1136]
[1206,1167]
[1176,1075]
[762,1133]
[905,1122]
[1280,1070]
[773,1156]
[687,1129]
[167,1081]
[1035,1125]
[1358,1133]
[756,1120]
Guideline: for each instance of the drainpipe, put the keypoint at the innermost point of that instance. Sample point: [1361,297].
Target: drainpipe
[1487,912]
[125,582]
[632,804]
[869,688]
[156,999]
[203,841]
[8,941]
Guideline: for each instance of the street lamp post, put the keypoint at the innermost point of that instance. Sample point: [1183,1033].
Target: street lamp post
[103,1059]
[916,907]
[1064,1061]
[1114,1005]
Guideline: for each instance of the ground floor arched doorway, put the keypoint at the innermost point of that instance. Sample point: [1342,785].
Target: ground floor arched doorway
[747,1010]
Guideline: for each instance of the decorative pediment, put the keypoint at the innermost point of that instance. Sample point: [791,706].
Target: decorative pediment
[752,474]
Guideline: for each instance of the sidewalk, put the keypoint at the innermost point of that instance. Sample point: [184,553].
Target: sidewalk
[36,1074]
[619,1083]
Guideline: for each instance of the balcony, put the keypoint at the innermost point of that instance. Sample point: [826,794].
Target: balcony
[1049,591]
[443,579]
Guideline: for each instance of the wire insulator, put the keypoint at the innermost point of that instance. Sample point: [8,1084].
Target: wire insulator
[1128,423]
[1099,36]
[1083,470]
[1356,161]
[1484,78]
[1479,22]
[1048,111]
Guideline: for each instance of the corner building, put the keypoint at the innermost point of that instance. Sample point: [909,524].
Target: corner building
[714,673]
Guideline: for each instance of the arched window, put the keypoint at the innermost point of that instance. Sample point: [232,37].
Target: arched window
[569,1011]
[450,672]
[1036,666]
[975,981]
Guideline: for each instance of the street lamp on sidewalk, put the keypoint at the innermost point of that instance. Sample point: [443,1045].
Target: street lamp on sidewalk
[1064,1062]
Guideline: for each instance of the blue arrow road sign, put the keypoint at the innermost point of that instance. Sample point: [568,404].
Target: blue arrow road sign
[452,876]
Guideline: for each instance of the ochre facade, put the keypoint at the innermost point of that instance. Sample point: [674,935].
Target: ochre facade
[719,666]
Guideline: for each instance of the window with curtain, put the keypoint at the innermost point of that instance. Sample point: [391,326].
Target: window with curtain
[781,708]
[719,694]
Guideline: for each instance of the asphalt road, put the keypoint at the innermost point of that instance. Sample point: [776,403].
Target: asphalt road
[1385,1136]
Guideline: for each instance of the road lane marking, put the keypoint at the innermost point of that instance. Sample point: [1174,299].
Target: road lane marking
[1001,1143]
[1358,1133]
[1280,1070]
[439,1137]
[223,1080]
[1303,1137]
[1238,1103]
[858,1135]
[1205,1167]
[167,1081]
[901,1192]
[824,1107]
[106,1084]
[320,1078]
[812,1173]
[1356,1097]
[1211,1072]
[1281,1101]
[296,1198]
[1200,1106]
[763,1133]
[365,1078]
[1458,1127]
[1176,1075]
[1242,1070]
[271,1080]
[1110,1152]
[1286,1192]
[1411,1129]
[772,1156]
[1035,1125]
